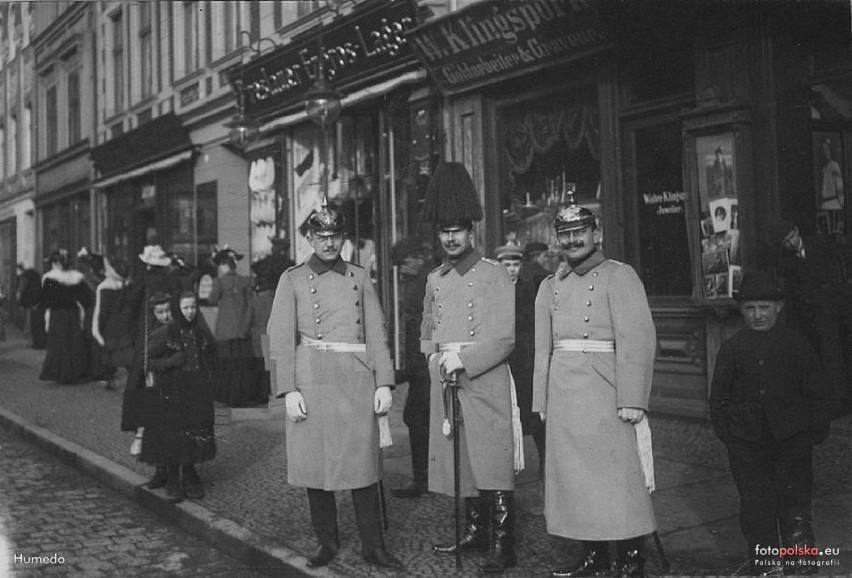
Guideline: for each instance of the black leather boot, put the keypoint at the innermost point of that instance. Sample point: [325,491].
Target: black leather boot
[324,519]
[419,441]
[595,562]
[629,560]
[174,489]
[192,483]
[475,537]
[158,480]
[502,555]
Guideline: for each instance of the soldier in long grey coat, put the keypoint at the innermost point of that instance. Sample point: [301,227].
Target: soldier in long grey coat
[329,359]
[595,343]
[469,329]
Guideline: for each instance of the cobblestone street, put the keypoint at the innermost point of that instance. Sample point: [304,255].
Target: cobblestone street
[50,510]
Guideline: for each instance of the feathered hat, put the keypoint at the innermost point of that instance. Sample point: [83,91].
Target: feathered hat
[451,198]
[326,221]
[224,254]
[154,255]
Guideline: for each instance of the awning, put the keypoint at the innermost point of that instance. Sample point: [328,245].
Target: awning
[352,99]
[162,137]
[141,171]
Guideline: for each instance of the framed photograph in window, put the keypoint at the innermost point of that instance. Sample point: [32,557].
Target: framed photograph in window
[716,162]
[828,169]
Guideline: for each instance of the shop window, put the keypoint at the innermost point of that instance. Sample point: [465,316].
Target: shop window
[549,150]
[74,134]
[52,117]
[664,263]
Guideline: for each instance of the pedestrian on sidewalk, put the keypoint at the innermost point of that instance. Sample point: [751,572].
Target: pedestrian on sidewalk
[112,319]
[413,256]
[94,272]
[180,433]
[595,343]
[330,363]
[29,299]
[769,404]
[235,363]
[522,358]
[65,297]
[145,403]
[468,330]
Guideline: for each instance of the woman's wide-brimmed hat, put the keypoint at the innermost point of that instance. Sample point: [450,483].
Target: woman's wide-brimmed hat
[154,255]
[224,254]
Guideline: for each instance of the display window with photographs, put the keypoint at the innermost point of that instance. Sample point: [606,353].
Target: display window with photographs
[719,215]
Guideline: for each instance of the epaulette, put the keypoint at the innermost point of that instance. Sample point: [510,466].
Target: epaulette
[551,276]
[492,261]
[436,268]
[294,267]
[616,262]
[348,264]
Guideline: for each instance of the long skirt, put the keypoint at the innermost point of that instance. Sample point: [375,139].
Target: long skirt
[67,357]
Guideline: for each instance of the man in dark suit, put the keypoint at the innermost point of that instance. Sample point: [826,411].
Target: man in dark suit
[813,273]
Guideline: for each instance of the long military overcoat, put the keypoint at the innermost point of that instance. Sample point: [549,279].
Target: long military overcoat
[337,446]
[472,302]
[594,484]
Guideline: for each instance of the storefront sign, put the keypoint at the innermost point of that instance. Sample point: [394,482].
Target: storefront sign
[490,41]
[666,203]
[353,48]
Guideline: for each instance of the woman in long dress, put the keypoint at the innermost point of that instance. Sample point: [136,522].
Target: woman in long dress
[65,297]
[112,320]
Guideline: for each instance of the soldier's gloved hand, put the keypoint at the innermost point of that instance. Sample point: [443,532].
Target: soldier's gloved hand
[451,362]
[543,416]
[295,404]
[631,414]
[382,400]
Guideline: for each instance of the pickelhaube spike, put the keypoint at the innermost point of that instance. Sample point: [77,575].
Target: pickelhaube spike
[326,220]
[573,217]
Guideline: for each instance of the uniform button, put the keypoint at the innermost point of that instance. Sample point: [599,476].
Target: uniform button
[472,332]
[586,319]
[555,308]
[584,351]
[316,305]
[762,392]
[351,274]
[595,274]
[311,276]
[585,336]
[358,321]
[313,289]
[556,292]
[437,288]
[355,287]
[591,287]
[319,335]
[318,320]
[357,304]
[470,284]
[470,317]
[588,303]
[473,269]
[440,305]
[470,303]
[760,362]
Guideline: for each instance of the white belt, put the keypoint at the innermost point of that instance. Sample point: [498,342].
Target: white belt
[584,345]
[454,346]
[335,346]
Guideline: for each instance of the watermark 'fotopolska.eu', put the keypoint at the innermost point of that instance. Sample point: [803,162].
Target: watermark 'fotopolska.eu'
[799,555]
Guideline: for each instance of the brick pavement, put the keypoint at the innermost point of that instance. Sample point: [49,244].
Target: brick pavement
[696,503]
[51,511]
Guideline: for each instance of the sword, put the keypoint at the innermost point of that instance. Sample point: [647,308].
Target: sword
[659,544]
[451,383]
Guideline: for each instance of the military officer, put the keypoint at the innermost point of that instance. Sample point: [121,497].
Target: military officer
[594,352]
[330,363]
[468,329]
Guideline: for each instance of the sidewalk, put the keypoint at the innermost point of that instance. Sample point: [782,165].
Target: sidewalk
[250,511]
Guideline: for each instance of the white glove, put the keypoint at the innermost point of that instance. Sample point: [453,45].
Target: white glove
[295,403]
[451,362]
[382,400]
[543,416]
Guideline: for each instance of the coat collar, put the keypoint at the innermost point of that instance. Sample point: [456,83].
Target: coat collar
[463,265]
[319,266]
[584,267]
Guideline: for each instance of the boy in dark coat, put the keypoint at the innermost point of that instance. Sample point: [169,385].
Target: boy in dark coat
[768,405]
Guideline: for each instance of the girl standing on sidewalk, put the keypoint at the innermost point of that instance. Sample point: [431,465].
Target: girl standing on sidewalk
[181,433]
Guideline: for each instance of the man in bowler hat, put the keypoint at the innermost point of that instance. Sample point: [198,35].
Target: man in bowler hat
[768,405]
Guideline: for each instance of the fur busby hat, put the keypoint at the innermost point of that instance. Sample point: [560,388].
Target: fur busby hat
[326,221]
[154,255]
[226,254]
[757,286]
[451,198]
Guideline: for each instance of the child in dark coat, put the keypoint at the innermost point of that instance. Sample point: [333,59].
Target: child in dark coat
[769,406]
